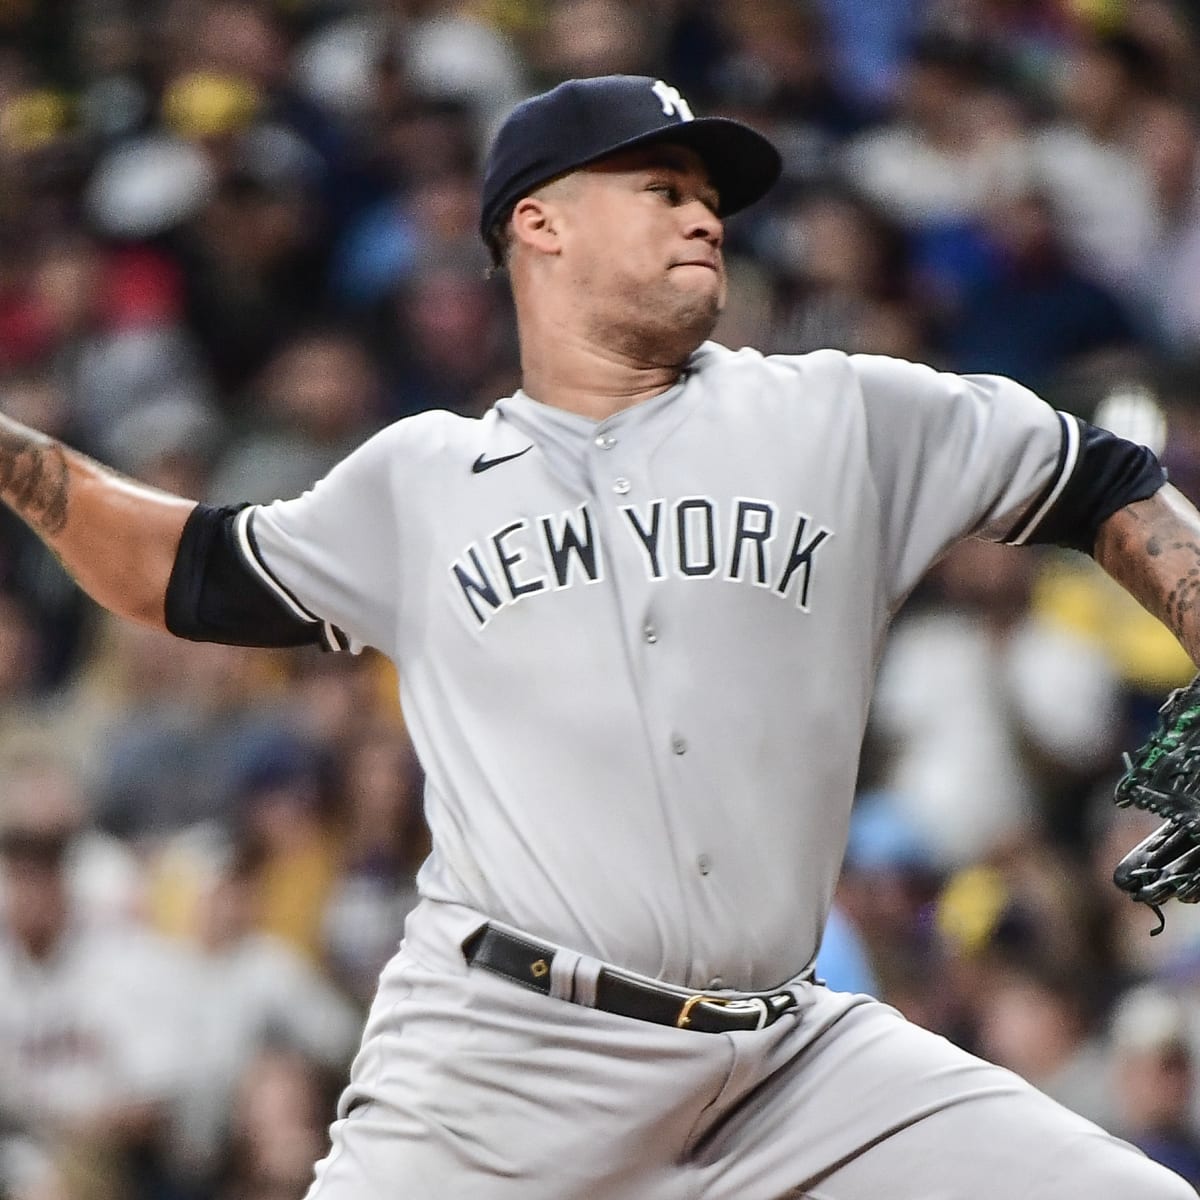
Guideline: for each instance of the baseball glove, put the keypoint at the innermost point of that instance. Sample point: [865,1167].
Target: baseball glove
[1163,777]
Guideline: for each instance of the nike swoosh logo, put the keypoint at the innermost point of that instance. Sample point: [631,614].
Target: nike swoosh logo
[482,464]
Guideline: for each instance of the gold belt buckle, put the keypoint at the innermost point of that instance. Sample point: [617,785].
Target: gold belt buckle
[685,1013]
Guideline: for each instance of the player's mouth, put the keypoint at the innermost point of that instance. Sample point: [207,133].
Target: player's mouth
[711,264]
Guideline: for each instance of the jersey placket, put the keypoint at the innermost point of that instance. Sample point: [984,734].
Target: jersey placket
[620,476]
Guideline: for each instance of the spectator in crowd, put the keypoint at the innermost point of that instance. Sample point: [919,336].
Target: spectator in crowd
[20,652]
[277,1126]
[446,306]
[253,994]
[1168,146]
[95,1025]
[597,37]
[384,842]
[885,894]
[1086,160]
[1033,312]
[451,52]
[168,729]
[281,799]
[252,260]
[433,217]
[969,696]
[42,791]
[843,962]
[1037,1019]
[1155,1078]
[321,395]
[954,146]
[332,697]
[779,69]
[842,269]
[870,45]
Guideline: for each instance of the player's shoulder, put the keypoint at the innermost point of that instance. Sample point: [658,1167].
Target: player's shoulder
[772,377]
[424,436]
[713,357]
[434,427]
[822,371]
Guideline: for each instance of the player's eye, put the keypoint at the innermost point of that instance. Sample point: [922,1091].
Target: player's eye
[668,190]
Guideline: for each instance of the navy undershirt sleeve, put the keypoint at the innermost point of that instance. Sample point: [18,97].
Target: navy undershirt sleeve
[215,595]
[1110,473]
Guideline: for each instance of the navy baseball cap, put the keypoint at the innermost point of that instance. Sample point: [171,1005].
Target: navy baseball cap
[583,120]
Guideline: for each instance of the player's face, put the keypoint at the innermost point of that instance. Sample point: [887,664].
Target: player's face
[642,240]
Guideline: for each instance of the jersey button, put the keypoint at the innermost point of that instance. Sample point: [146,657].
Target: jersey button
[649,633]
[621,486]
[715,984]
[678,745]
[704,864]
[606,441]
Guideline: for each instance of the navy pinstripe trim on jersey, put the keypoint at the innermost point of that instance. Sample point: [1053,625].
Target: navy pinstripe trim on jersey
[331,637]
[1068,457]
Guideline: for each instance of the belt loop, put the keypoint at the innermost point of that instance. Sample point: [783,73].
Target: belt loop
[764,1013]
[587,976]
[562,974]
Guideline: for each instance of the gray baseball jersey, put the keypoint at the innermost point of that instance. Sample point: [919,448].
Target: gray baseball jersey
[636,655]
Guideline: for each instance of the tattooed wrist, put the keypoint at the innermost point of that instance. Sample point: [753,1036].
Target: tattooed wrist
[1152,548]
[34,477]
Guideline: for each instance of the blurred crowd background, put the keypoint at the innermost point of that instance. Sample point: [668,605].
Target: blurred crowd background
[237,236]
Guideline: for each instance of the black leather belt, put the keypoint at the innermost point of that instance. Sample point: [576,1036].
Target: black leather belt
[528,963]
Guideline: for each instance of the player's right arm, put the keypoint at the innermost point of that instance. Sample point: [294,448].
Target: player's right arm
[117,538]
[317,569]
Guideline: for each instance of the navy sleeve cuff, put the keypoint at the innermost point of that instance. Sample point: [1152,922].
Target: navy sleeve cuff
[1108,473]
[220,591]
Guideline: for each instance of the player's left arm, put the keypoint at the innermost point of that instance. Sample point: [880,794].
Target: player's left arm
[1152,548]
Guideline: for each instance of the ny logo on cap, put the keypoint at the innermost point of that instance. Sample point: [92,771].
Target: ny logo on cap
[673,104]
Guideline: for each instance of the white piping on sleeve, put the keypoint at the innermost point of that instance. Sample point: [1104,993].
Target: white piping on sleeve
[250,553]
[1070,458]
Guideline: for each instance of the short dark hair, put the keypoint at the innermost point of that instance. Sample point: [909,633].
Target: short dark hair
[499,242]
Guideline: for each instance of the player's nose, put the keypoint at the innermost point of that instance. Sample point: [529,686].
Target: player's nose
[703,223]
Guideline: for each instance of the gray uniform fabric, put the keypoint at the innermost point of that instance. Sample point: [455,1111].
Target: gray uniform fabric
[470,1086]
[636,658]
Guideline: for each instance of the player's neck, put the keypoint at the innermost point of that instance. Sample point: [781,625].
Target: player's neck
[593,381]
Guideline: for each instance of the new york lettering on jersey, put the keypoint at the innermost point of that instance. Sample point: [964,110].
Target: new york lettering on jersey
[692,537]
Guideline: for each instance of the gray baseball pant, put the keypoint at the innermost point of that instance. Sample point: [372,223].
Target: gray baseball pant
[470,1086]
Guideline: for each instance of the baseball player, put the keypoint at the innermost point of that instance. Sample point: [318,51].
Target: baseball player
[636,609]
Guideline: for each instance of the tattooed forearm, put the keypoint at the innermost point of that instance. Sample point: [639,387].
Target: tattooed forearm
[34,478]
[117,538]
[1183,598]
[1152,548]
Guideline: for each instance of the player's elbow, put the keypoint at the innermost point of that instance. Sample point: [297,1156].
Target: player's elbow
[132,580]
[143,604]
[150,612]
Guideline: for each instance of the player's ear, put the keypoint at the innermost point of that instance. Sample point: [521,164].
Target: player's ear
[535,224]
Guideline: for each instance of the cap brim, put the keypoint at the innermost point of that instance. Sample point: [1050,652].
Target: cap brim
[741,163]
